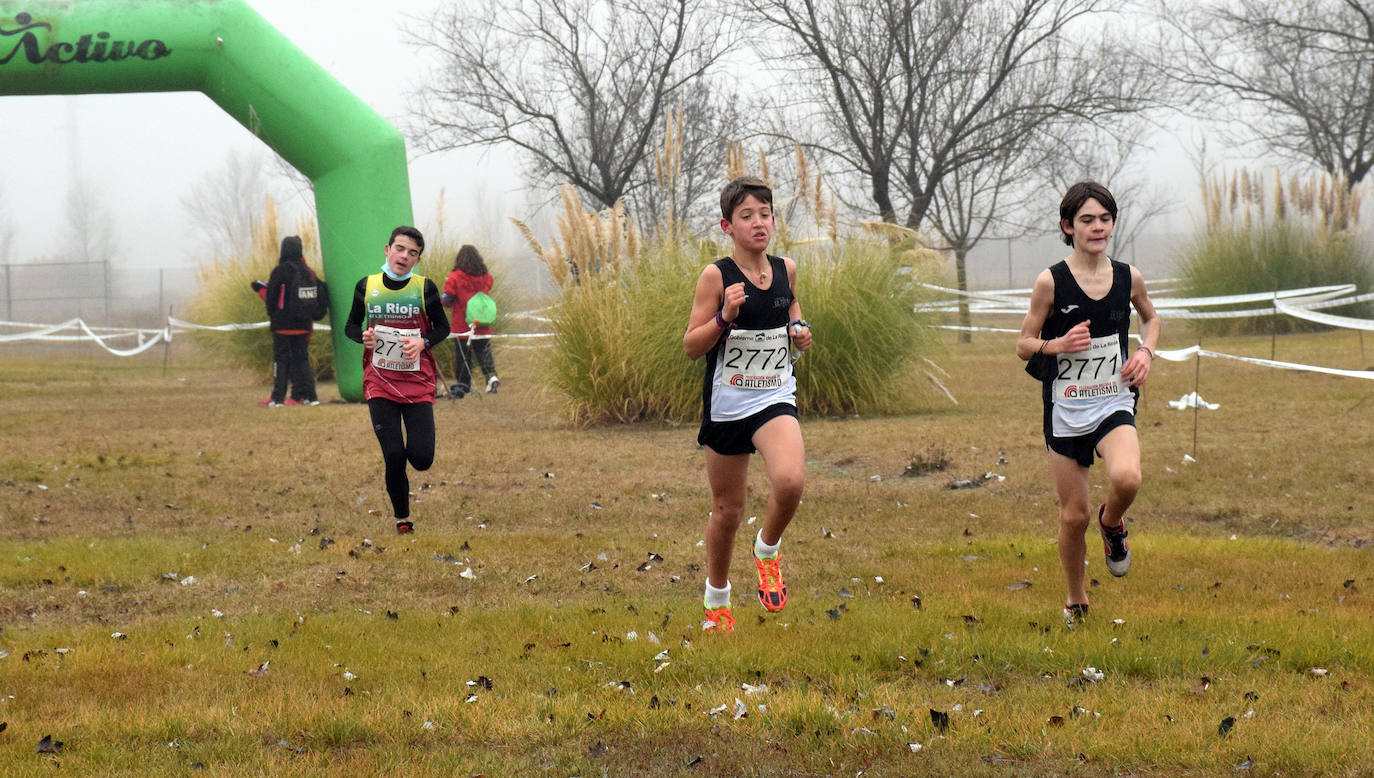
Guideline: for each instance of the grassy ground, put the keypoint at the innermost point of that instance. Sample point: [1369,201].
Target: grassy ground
[192,584]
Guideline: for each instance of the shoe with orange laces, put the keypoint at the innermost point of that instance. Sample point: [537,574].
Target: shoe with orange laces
[718,620]
[772,591]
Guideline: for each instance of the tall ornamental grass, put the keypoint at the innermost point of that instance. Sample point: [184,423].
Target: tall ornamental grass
[1262,238]
[617,353]
[623,307]
[225,296]
[871,353]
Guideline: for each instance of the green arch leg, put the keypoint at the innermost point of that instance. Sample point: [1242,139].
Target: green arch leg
[225,49]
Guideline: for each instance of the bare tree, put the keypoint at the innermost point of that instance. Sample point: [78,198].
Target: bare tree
[986,197]
[1111,156]
[908,91]
[861,67]
[91,235]
[580,87]
[297,184]
[688,163]
[223,207]
[942,109]
[1296,76]
[6,232]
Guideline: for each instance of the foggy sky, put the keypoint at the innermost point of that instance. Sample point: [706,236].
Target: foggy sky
[141,153]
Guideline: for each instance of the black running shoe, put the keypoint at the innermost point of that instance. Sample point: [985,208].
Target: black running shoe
[1114,545]
[404,527]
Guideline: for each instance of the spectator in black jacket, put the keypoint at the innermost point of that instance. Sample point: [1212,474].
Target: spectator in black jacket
[293,298]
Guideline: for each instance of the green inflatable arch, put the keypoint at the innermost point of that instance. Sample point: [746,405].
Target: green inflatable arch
[355,158]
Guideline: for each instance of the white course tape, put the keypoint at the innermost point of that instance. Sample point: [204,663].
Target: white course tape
[186,325]
[1298,303]
[43,331]
[976,329]
[48,333]
[1183,354]
[1338,302]
[142,347]
[147,338]
[1329,319]
[1312,292]
[512,335]
[994,297]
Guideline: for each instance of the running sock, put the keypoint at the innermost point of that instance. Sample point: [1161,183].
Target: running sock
[716,598]
[1102,513]
[763,550]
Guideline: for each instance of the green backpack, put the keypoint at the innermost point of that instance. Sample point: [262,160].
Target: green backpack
[481,310]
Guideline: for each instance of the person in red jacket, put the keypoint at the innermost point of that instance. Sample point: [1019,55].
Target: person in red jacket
[469,276]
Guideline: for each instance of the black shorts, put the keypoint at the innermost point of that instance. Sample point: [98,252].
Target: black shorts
[1083,447]
[729,438]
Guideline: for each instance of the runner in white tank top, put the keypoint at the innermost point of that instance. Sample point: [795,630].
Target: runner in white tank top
[1074,339]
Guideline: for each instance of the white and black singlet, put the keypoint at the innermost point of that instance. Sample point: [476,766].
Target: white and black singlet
[750,367]
[1083,388]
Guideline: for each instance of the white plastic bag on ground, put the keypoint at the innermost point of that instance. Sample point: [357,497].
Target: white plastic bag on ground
[1192,400]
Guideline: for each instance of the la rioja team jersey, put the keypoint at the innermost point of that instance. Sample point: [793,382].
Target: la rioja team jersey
[750,368]
[1085,387]
[396,314]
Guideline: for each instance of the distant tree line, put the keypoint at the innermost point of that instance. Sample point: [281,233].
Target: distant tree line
[960,118]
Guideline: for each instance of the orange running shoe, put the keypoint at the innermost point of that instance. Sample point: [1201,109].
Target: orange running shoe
[718,620]
[772,591]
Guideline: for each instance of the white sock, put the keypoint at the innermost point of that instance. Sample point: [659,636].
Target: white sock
[716,598]
[763,550]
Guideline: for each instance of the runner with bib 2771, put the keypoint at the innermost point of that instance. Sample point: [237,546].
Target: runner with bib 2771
[1075,339]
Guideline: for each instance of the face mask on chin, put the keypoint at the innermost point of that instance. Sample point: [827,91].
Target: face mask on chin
[386,268]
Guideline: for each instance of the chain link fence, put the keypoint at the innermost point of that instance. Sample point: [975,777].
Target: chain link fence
[100,293]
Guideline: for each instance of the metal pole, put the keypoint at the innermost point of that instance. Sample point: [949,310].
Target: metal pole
[1274,326]
[9,313]
[1197,398]
[1009,281]
[107,292]
[167,341]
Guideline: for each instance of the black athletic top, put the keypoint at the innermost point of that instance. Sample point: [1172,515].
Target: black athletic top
[1072,305]
[1109,315]
[762,309]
